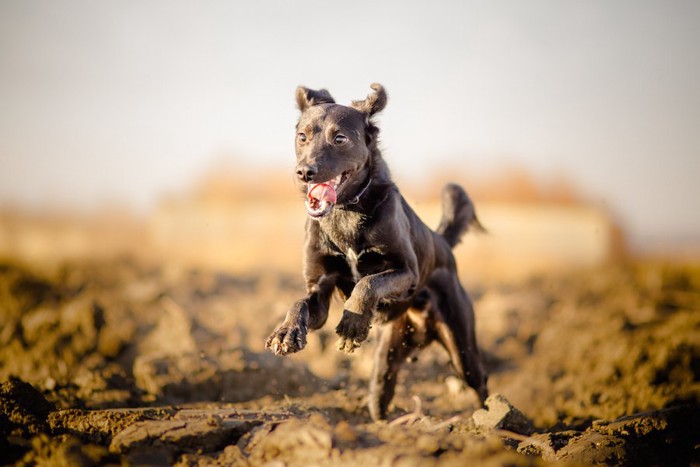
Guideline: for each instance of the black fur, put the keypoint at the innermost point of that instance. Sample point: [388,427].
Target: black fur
[371,247]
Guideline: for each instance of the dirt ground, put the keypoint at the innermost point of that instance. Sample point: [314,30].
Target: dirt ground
[121,361]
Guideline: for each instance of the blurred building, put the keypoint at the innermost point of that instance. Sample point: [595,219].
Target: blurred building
[245,226]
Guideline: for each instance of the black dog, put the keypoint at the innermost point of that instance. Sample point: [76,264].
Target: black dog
[363,240]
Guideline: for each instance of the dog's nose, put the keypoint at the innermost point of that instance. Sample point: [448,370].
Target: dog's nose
[306,173]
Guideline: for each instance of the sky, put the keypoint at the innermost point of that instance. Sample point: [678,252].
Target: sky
[123,101]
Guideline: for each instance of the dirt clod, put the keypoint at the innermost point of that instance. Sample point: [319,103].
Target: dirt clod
[24,406]
[500,414]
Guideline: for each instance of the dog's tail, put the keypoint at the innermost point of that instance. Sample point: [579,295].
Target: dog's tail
[458,214]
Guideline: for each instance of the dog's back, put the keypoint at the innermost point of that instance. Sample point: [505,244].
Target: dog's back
[458,216]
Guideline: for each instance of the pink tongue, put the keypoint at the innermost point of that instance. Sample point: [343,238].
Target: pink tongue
[322,192]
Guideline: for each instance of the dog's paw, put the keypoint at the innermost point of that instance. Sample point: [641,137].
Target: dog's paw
[352,330]
[288,338]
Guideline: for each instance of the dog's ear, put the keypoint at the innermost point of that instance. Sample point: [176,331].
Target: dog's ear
[308,97]
[374,103]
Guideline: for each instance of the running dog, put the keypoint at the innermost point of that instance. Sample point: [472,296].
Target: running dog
[363,240]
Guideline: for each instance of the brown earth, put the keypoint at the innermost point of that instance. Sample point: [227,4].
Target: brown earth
[121,361]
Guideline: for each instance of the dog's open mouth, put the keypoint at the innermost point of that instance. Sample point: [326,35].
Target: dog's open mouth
[321,197]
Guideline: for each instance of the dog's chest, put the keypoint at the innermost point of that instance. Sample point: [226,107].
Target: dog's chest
[344,230]
[347,235]
[365,262]
[352,258]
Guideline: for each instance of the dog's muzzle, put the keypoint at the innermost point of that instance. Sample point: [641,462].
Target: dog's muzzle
[320,198]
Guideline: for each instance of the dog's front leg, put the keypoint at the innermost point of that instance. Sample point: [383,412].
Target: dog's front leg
[290,336]
[310,312]
[358,312]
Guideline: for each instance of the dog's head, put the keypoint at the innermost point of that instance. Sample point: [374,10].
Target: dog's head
[334,147]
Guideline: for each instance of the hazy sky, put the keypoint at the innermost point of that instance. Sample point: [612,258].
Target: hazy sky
[124,100]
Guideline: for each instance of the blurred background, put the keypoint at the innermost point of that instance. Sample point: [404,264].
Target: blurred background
[165,128]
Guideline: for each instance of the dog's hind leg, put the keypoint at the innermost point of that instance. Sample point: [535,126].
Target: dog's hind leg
[398,339]
[394,346]
[454,325]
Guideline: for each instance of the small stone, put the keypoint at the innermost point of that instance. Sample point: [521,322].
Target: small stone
[344,433]
[454,385]
[501,415]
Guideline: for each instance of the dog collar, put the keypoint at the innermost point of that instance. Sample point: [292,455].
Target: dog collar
[356,199]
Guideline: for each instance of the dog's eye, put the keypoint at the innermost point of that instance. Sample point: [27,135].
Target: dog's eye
[301,137]
[340,139]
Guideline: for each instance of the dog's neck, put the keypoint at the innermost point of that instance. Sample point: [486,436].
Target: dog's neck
[345,224]
[371,191]
[362,191]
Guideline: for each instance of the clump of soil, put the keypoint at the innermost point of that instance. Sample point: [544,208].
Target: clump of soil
[121,361]
[22,408]
[23,414]
[613,344]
